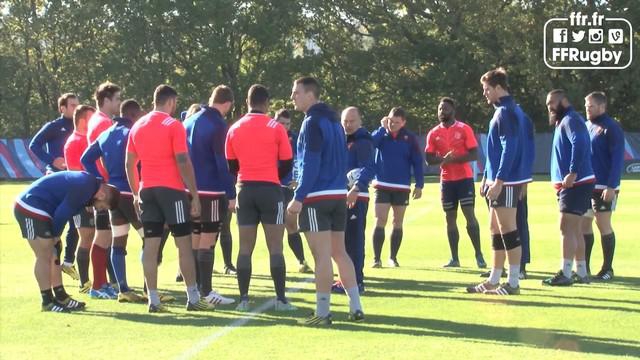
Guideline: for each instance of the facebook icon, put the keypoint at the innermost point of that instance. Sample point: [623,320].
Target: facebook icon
[560,36]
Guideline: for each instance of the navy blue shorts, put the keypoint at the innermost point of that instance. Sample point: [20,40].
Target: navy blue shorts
[576,200]
[459,191]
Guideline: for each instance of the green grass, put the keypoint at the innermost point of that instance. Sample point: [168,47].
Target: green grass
[416,311]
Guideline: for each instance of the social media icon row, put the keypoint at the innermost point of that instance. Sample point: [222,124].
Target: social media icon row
[596,36]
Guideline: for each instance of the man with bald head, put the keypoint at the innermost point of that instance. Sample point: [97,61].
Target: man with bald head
[360,172]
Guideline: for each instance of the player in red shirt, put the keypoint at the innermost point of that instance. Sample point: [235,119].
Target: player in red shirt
[452,145]
[107,97]
[159,142]
[255,145]
[76,145]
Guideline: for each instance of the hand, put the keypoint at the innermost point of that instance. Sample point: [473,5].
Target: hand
[483,187]
[59,163]
[385,123]
[417,193]
[569,180]
[294,207]
[494,191]
[352,196]
[136,205]
[195,207]
[448,158]
[232,205]
[293,185]
[608,195]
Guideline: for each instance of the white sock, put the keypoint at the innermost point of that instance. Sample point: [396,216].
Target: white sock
[581,268]
[354,299]
[514,275]
[193,295]
[494,278]
[567,264]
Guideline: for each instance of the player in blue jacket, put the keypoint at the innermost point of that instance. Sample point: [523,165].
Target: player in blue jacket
[320,196]
[398,156]
[42,211]
[572,176]
[206,134]
[504,176]
[48,145]
[360,172]
[110,146]
[288,185]
[607,158]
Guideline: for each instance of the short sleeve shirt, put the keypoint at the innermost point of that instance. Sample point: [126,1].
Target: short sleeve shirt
[458,138]
[73,149]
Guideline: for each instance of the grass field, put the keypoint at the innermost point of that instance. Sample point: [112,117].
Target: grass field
[417,311]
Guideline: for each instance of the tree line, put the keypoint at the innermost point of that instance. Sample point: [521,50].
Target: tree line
[374,54]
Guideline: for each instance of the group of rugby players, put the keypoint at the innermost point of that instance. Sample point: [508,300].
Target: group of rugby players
[106,173]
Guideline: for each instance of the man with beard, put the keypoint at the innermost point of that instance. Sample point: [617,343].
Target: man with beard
[573,178]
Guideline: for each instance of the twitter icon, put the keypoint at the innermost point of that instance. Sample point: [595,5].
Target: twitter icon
[577,37]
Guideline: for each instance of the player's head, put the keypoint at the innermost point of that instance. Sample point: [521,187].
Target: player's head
[67,104]
[495,84]
[106,198]
[81,117]
[222,99]
[165,99]
[305,93]
[107,97]
[284,117]
[130,109]
[557,104]
[194,108]
[397,119]
[351,120]
[258,98]
[595,104]
[446,109]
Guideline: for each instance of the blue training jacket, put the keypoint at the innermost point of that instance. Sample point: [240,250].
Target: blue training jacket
[206,134]
[321,156]
[395,159]
[529,151]
[607,151]
[52,136]
[293,140]
[507,144]
[111,145]
[361,156]
[571,151]
[58,197]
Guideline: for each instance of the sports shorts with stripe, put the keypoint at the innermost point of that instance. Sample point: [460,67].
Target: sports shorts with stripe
[457,191]
[213,210]
[323,215]
[164,205]
[260,202]
[508,197]
[84,219]
[33,226]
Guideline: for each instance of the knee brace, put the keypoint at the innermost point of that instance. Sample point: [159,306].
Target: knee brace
[120,230]
[153,229]
[178,230]
[496,242]
[511,240]
[57,252]
[211,227]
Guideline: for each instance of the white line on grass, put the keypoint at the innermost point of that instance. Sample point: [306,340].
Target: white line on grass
[207,341]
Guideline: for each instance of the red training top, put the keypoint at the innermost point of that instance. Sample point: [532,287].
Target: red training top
[156,139]
[458,137]
[73,149]
[258,142]
[98,123]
